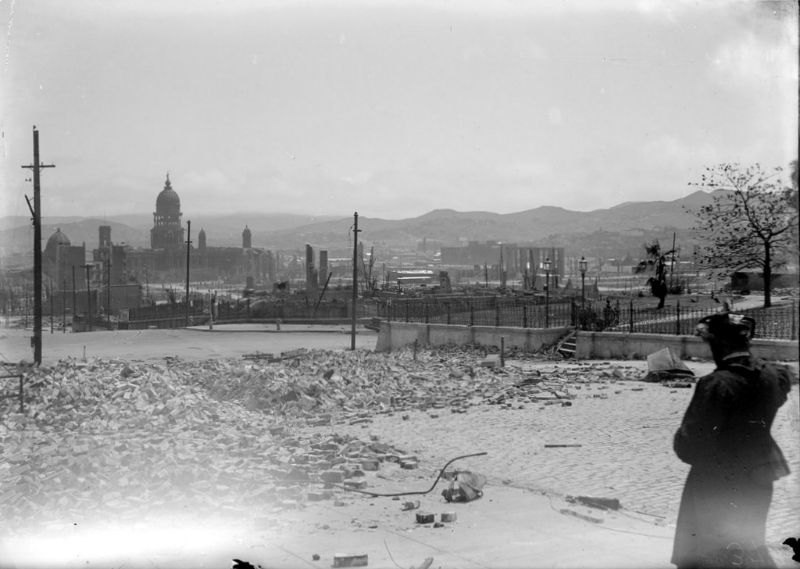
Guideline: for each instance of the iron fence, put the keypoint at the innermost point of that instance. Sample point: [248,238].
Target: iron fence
[525,312]
[173,315]
[613,315]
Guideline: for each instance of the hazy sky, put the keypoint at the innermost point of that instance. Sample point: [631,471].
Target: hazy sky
[389,108]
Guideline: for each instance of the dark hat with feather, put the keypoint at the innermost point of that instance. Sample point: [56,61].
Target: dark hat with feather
[727,327]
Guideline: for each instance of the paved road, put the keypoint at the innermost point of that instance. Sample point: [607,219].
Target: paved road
[188,344]
[625,453]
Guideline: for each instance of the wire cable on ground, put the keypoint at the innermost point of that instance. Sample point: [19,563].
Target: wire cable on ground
[391,494]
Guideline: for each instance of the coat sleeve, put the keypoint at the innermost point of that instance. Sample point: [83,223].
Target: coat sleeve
[695,440]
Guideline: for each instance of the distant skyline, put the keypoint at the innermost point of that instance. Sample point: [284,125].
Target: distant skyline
[389,108]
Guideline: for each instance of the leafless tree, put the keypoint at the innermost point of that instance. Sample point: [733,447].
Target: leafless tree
[752,223]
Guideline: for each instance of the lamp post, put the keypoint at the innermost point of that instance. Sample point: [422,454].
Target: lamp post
[583,264]
[547,292]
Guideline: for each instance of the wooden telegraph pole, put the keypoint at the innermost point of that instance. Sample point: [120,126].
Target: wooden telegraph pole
[188,249]
[88,267]
[355,281]
[36,212]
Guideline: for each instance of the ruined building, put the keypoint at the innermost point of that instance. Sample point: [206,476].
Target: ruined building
[61,260]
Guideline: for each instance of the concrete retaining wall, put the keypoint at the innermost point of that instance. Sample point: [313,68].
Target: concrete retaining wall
[614,345]
[395,335]
[590,345]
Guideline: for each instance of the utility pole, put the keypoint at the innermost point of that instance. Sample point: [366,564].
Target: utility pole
[88,267]
[108,293]
[74,298]
[355,281]
[36,211]
[188,249]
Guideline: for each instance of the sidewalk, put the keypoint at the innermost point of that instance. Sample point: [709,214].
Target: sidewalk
[507,528]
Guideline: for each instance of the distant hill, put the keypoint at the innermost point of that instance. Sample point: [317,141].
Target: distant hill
[632,222]
[536,226]
[16,232]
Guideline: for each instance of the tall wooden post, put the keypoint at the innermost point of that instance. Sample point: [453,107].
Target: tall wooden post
[88,267]
[188,250]
[36,212]
[355,281]
[74,297]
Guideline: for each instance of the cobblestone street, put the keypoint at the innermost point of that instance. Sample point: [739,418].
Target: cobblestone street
[624,430]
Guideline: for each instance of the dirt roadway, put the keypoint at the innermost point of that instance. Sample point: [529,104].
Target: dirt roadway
[186,344]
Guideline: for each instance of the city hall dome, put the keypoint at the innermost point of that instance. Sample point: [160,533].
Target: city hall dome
[168,202]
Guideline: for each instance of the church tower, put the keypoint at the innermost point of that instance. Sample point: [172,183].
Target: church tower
[167,232]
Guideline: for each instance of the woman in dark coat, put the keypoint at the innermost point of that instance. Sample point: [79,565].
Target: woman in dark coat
[725,437]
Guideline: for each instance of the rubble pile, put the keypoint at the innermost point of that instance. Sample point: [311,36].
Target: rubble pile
[114,439]
[350,385]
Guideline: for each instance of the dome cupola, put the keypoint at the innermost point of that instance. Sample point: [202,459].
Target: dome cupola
[168,202]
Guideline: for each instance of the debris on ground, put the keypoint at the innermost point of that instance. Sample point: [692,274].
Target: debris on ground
[665,365]
[121,438]
[601,503]
[465,486]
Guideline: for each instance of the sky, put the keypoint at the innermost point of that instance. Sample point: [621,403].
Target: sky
[389,108]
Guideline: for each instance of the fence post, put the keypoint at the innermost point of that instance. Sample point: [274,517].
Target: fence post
[524,315]
[793,333]
[572,313]
[471,314]
[248,307]
[427,314]
[678,318]
[630,316]
[447,306]
[407,308]
[496,313]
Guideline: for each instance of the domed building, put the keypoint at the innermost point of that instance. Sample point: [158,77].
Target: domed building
[60,258]
[167,232]
[54,243]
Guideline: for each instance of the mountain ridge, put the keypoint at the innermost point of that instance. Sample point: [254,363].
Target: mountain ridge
[445,226]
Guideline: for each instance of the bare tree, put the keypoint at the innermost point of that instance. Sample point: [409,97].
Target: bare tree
[751,224]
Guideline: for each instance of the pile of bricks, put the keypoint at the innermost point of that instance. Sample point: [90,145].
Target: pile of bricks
[110,439]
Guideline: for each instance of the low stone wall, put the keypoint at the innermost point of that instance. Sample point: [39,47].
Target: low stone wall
[395,335]
[590,345]
[615,345]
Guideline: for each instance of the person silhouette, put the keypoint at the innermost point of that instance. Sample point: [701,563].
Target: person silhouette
[725,437]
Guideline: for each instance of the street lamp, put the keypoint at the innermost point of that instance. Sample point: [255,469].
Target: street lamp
[547,292]
[582,265]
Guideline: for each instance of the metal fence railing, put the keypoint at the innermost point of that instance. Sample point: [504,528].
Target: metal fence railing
[525,312]
[776,322]
[616,315]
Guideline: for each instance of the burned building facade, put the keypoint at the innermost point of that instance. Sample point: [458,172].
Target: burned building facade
[513,259]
